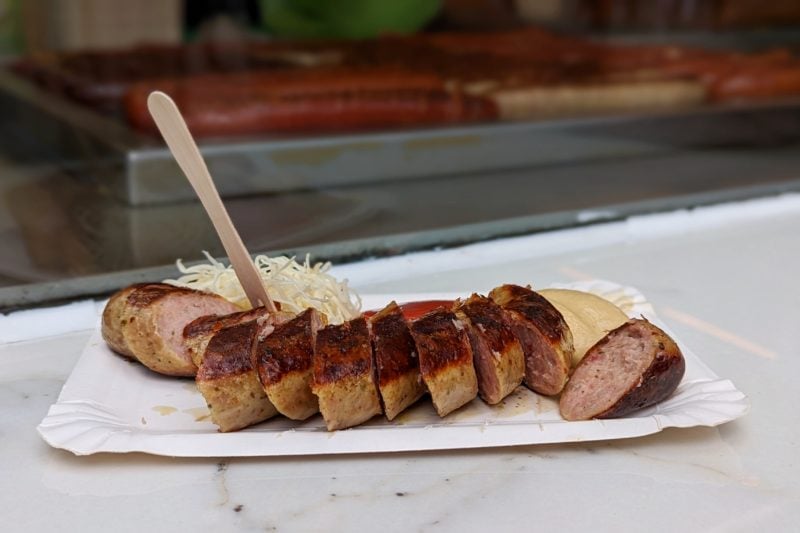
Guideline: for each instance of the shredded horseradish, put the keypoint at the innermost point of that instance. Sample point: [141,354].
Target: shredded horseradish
[295,286]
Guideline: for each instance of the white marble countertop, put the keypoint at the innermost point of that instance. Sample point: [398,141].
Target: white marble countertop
[723,278]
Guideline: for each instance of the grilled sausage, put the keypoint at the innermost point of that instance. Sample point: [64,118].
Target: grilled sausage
[284,361]
[151,320]
[336,113]
[227,378]
[396,361]
[199,331]
[634,366]
[315,101]
[344,380]
[757,83]
[545,337]
[114,318]
[445,360]
[497,354]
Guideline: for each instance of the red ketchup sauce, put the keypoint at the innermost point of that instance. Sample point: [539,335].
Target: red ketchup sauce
[413,310]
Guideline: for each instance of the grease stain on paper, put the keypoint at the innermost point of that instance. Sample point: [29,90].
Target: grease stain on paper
[200,414]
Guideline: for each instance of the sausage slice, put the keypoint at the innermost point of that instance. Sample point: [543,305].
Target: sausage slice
[199,331]
[284,360]
[496,352]
[227,379]
[147,321]
[344,378]
[544,335]
[396,361]
[634,366]
[445,360]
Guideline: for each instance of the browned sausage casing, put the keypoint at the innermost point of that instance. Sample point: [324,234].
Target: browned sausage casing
[146,321]
[284,361]
[544,335]
[332,100]
[396,361]
[497,353]
[343,375]
[228,381]
[634,366]
[114,320]
[445,360]
[199,331]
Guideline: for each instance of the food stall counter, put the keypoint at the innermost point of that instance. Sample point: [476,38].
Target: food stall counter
[721,278]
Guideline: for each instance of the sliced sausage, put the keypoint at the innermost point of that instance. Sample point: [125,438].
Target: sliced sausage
[396,361]
[153,320]
[445,360]
[325,100]
[544,335]
[497,354]
[284,360]
[344,380]
[634,366]
[227,379]
[199,331]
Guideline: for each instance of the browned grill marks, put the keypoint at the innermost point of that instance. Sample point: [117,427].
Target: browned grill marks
[228,381]
[147,293]
[533,307]
[445,360]
[396,361]
[344,381]
[544,335]
[285,362]
[228,352]
[147,322]
[497,354]
[206,325]
[198,332]
[290,348]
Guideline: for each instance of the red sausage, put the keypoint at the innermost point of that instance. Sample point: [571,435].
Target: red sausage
[328,100]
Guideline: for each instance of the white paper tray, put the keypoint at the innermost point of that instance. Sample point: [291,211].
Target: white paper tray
[111,405]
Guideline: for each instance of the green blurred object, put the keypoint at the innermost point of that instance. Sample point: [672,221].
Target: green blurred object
[10,27]
[348,19]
